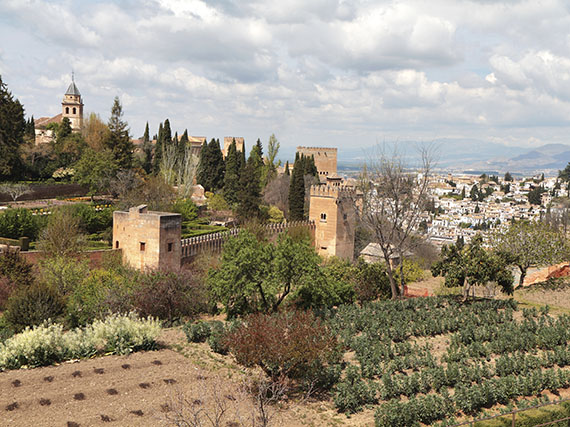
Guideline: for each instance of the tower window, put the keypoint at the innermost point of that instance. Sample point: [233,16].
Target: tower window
[142,246]
[117,244]
[323,217]
[73,110]
[66,110]
[170,247]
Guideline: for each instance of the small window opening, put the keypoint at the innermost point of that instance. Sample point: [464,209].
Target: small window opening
[74,110]
[324,248]
[142,246]
[345,216]
[323,217]
[66,110]
[170,247]
[117,244]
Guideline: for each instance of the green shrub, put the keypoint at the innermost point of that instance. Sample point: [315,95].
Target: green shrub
[100,293]
[6,330]
[353,392]
[217,339]
[197,332]
[187,208]
[19,222]
[92,220]
[33,305]
[63,273]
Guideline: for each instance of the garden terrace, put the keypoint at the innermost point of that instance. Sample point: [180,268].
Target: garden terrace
[425,360]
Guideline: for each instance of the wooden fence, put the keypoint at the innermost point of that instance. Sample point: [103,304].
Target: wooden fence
[214,242]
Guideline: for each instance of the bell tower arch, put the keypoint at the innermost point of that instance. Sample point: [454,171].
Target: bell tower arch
[72,106]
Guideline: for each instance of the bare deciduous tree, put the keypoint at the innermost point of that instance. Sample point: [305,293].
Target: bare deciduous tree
[15,190]
[393,198]
[277,192]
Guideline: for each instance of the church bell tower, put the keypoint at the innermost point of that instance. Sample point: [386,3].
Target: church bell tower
[72,106]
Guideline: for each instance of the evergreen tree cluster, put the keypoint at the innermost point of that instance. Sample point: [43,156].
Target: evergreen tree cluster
[303,166]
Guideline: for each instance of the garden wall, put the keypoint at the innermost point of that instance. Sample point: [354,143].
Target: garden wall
[95,257]
[48,191]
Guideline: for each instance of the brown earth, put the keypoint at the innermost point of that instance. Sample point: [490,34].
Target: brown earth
[149,389]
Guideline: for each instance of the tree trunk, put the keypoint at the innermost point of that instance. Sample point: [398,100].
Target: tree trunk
[393,284]
[523,275]
[466,288]
[402,281]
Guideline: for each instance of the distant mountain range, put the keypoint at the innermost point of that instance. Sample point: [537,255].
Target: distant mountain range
[477,156]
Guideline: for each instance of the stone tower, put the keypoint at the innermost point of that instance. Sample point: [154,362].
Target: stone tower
[72,106]
[332,209]
[148,240]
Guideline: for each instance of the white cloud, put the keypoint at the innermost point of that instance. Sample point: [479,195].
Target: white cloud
[318,71]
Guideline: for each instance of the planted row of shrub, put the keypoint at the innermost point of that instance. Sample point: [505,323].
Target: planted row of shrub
[468,399]
[49,343]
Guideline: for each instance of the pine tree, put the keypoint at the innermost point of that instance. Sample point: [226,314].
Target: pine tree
[297,191]
[119,140]
[12,129]
[249,197]
[232,175]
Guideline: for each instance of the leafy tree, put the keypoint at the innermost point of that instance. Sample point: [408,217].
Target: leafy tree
[257,276]
[62,235]
[535,195]
[95,132]
[508,177]
[119,140]
[472,265]
[270,167]
[96,170]
[232,175]
[249,197]
[297,191]
[12,128]
[525,244]
[19,222]
[474,194]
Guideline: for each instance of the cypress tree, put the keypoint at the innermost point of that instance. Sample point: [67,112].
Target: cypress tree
[182,144]
[218,166]
[232,175]
[310,167]
[287,171]
[158,149]
[297,191]
[147,151]
[167,137]
[249,194]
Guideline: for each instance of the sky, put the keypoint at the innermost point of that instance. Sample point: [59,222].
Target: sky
[346,74]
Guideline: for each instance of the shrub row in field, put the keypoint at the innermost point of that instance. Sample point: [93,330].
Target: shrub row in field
[49,343]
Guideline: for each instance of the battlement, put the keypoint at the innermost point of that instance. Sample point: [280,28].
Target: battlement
[324,150]
[334,191]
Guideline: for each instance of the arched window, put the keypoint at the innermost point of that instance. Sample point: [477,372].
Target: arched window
[323,217]
[73,110]
[66,110]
